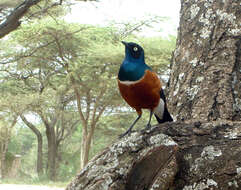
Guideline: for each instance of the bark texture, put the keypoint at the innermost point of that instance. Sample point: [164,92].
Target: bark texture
[136,162]
[206,69]
[207,157]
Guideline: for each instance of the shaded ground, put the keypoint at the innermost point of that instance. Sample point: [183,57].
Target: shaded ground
[27,187]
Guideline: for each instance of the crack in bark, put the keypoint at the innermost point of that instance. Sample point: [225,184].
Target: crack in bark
[213,112]
[172,156]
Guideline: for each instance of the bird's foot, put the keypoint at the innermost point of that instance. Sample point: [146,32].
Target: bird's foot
[124,134]
[148,126]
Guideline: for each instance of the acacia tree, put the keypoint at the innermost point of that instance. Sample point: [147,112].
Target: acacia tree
[7,122]
[91,73]
[51,107]
[13,12]
[47,76]
[39,136]
[38,89]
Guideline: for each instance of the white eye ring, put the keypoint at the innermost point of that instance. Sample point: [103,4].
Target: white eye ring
[135,48]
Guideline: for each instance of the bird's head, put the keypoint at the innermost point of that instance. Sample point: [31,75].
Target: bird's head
[133,52]
[133,67]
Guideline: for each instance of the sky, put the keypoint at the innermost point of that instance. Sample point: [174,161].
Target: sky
[105,11]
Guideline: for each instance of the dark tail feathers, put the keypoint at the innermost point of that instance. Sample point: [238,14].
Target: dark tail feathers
[166,117]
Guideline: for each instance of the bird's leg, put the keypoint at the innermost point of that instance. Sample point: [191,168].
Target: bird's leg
[148,126]
[130,128]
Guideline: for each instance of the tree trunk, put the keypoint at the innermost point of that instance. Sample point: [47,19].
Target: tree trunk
[133,163]
[206,69]
[15,166]
[5,137]
[40,145]
[3,159]
[200,156]
[84,152]
[40,156]
[86,141]
[52,153]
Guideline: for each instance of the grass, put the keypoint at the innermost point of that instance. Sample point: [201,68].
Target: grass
[33,181]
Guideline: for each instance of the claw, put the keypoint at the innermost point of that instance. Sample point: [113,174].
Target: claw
[148,126]
[124,134]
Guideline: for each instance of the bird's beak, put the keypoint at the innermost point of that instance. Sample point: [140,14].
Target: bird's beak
[125,43]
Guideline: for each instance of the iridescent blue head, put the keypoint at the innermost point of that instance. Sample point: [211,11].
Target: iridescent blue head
[133,66]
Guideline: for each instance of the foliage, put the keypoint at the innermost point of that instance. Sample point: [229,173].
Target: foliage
[23,143]
[43,63]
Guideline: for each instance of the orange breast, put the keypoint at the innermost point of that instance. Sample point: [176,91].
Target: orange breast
[143,94]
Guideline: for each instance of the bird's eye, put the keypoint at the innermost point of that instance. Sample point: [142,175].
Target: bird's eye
[135,48]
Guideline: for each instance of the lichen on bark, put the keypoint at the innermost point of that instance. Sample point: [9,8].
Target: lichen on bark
[207,157]
[136,162]
[205,73]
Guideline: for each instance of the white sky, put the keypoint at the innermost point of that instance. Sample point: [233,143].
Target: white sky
[105,11]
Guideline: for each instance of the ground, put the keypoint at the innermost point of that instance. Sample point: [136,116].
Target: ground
[27,187]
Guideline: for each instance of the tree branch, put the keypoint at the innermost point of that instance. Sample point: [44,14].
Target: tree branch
[79,104]
[95,118]
[34,50]
[12,22]
[88,105]
[30,125]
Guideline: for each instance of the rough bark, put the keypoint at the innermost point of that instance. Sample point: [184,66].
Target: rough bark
[206,69]
[40,145]
[200,156]
[135,162]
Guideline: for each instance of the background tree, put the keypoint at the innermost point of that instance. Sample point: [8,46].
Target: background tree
[7,122]
[51,108]
[43,94]
[40,144]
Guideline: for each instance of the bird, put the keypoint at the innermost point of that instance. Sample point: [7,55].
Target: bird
[140,86]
